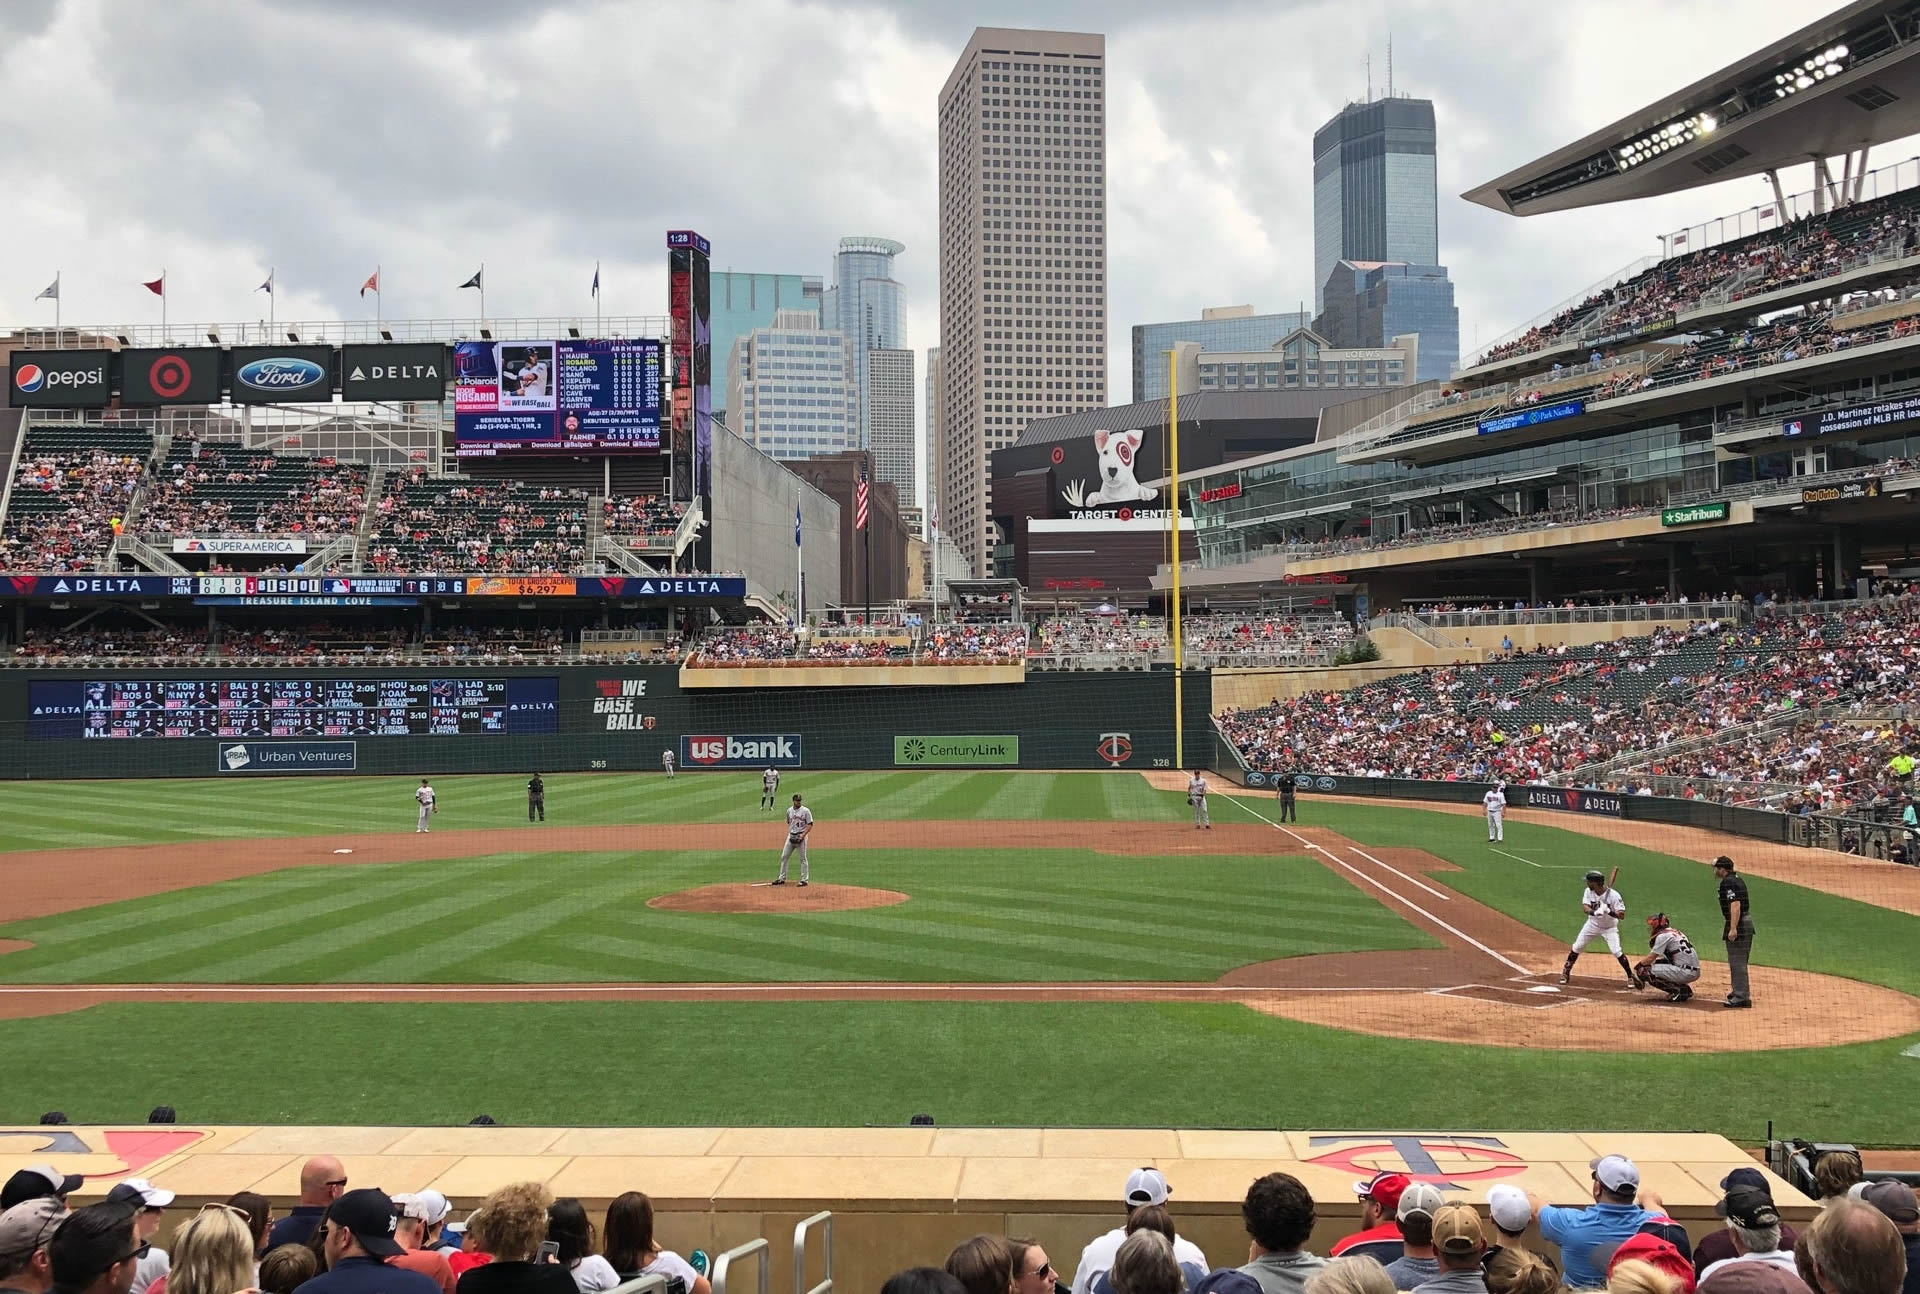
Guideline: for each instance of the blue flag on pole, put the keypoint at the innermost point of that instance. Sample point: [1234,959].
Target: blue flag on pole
[796,523]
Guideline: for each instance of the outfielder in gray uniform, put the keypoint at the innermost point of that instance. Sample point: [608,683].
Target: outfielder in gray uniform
[1673,965]
[1197,797]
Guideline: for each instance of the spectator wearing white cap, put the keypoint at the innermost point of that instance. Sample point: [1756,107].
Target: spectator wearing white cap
[432,1209]
[1510,1213]
[151,1202]
[1417,1262]
[408,1231]
[1588,1236]
[1145,1186]
[25,1230]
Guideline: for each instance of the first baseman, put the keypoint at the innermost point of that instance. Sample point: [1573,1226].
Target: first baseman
[799,823]
[769,787]
[1604,908]
[1496,801]
[1673,965]
[424,798]
[1197,797]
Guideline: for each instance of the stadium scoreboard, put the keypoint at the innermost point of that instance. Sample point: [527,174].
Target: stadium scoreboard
[368,707]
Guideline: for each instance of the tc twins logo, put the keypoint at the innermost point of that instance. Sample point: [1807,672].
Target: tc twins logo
[1444,1161]
[1115,747]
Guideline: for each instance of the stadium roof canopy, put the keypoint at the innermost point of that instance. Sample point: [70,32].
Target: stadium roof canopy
[1848,81]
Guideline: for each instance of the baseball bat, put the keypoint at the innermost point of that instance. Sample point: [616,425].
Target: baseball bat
[1614,876]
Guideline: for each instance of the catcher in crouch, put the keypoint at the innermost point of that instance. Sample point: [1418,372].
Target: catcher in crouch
[1604,908]
[1673,965]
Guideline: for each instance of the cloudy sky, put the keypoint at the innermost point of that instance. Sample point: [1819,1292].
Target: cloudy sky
[322,137]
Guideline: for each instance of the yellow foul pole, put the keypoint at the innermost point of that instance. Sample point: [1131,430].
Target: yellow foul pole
[1173,523]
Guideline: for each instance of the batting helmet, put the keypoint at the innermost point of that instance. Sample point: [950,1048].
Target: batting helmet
[1595,876]
[1657,922]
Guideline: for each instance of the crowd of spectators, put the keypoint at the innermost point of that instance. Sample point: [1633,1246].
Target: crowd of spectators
[1800,251]
[435,525]
[983,643]
[494,640]
[67,508]
[627,519]
[168,643]
[751,643]
[1544,716]
[214,493]
[347,1239]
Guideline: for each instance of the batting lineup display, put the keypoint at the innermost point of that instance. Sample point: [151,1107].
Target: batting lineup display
[292,707]
[557,397]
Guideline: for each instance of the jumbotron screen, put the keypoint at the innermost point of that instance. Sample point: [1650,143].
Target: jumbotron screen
[556,397]
[78,709]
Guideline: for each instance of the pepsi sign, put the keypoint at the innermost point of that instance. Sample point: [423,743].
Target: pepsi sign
[58,379]
[282,374]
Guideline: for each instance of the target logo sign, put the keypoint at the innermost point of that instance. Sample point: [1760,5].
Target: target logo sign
[170,376]
[1058,456]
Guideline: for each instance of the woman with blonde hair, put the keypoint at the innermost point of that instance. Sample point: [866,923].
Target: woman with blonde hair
[511,1225]
[1521,1271]
[212,1253]
[1357,1274]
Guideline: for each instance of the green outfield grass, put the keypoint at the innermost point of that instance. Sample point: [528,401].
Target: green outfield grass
[849,1064]
[62,815]
[530,918]
[1061,914]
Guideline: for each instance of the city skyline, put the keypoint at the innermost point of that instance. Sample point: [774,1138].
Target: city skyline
[428,201]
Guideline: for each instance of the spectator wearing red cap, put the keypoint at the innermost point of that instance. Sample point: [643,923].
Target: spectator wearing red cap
[1658,1253]
[1379,1235]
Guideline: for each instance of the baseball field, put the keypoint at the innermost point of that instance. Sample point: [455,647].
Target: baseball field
[986,947]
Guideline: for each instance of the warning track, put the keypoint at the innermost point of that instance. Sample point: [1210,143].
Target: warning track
[1489,982]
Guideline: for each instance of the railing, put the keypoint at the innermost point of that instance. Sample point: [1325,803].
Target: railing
[723,1265]
[1416,626]
[338,332]
[1496,618]
[823,1222]
[1763,219]
[1606,284]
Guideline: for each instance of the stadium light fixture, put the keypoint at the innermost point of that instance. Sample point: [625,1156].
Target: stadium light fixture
[386,334]
[486,334]
[573,330]
[213,335]
[123,339]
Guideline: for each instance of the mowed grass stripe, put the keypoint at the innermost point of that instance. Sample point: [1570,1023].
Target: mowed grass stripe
[36,815]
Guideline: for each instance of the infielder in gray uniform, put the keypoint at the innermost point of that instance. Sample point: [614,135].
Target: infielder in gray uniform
[1673,965]
[424,797]
[1197,797]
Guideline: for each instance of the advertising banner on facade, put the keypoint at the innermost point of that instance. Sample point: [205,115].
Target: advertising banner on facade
[58,379]
[170,375]
[282,374]
[399,372]
[956,752]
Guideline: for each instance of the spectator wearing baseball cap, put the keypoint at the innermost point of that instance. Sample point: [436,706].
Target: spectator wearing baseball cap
[1898,1202]
[1511,1215]
[1718,1243]
[1754,1224]
[25,1230]
[1588,1235]
[1378,1237]
[150,1205]
[1459,1243]
[411,1229]
[1658,1253]
[1417,1262]
[1278,1213]
[359,1239]
[433,1210]
[37,1182]
[1145,1187]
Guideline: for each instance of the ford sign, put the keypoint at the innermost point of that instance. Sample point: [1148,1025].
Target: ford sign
[282,373]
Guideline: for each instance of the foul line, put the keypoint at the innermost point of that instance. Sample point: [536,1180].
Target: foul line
[1528,861]
[480,992]
[1413,880]
[1450,929]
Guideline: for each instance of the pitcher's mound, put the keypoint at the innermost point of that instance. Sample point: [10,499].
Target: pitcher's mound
[777,898]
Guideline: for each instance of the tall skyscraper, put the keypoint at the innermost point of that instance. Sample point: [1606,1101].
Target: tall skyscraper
[889,412]
[743,302]
[1217,328]
[933,451]
[1023,254]
[864,304]
[790,388]
[1369,303]
[1375,191]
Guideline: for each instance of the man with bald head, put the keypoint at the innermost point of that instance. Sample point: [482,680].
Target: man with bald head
[322,1179]
[1852,1248]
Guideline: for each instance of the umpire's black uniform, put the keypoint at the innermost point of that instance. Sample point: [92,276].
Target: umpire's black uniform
[1286,798]
[536,798]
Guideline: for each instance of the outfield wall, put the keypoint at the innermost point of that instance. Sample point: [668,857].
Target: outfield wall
[616,717]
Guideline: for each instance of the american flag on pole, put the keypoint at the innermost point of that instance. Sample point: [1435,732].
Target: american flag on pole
[860,501]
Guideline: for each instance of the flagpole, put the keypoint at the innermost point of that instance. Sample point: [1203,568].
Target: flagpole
[273,305]
[163,305]
[378,313]
[482,276]
[597,329]
[56,306]
[868,478]
[799,564]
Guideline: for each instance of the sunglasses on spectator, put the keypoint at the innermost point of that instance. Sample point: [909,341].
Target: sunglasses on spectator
[140,1252]
[339,1181]
[1042,1270]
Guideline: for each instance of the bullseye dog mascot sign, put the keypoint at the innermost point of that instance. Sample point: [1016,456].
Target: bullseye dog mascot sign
[1117,451]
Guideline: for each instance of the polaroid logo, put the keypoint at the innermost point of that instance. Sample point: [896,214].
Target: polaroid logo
[756,750]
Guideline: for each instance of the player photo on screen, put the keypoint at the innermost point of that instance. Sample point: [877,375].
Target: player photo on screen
[527,376]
